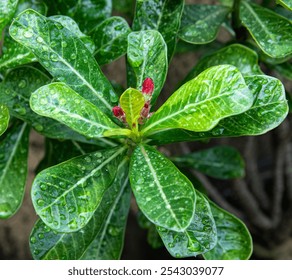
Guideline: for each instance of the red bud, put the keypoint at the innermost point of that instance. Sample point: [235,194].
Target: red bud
[118,111]
[148,86]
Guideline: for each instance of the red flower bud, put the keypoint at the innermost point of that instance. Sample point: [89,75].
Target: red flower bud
[118,111]
[148,86]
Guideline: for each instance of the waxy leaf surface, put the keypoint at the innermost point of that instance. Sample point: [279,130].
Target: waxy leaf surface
[200,23]
[111,39]
[66,196]
[234,240]
[272,32]
[87,13]
[285,3]
[4,118]
[13,169]
[147,56]
[132,101]
[199,237]
[48,244]
[222,162]
[7,10]
[201,103]
[65,56]
[243,58]
[164,195]
[163,16]
[63,104]
[269,109]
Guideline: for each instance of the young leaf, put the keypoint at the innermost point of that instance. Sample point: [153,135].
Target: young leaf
[272,32]
[163,16]
[87,13]
[245,59]
[201,103]
[222,162]
[13,169]
[147,56]
[199,237]
[66,196]
[7,8]
[47,244]
[59,102]
[269,109]
[200,23]
[14,54]
[132,101]
[165,196]
[234,240]
[285,3]
[4,118]
[111,39]
[65,56]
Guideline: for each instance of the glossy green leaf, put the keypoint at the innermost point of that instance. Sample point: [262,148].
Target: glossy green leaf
[4,118]
[66,196]
[48,244]
[199,104]
[132,101]
[200,23]
[222,162]
[272,32]
[65,57]
[285,69]
[87,13]
[285,3]
[16,90]
[13,169]
[36,5]
[164,195]
[163,16]
[234,240]
[7,10]
[63,104]
[71,25]
[111,39]
[269,109]
[245,59]
[198,238]
[14,54]
[147,56]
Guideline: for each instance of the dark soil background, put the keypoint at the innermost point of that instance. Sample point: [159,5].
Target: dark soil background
[263,199]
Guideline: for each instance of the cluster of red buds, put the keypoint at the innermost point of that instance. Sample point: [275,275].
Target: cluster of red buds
[147,90]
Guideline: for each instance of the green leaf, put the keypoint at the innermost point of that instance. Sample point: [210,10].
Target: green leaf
[245,59]
[198,238]
[16,90]
[87,13]
[285,3]
[201,103]
[272,32]
[285,69]
[4,118]
[36,5]
[48,244]
[111,39]
[13,169]
[71,25]
[234,240]
[132,101]
[200,23]
[222,162]
[269,109]
[63,104]
[7,9]
[165,196]
[147,56]
[65,57]
[163,16]
[66,196]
